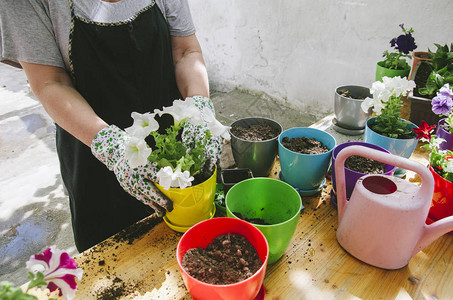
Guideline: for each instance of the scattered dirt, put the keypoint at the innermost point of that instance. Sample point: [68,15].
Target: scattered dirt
[136,230]
[255,133]
[114,291]
[252,220]
[304,145]
[364,165]
[228,259]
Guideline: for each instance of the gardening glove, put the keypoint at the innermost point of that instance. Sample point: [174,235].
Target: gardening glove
[109,147]
[192,132]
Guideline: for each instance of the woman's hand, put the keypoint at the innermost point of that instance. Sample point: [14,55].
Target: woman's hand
[109,146]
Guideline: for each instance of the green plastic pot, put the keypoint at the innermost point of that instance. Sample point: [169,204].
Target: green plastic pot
[382,71]
[271,200]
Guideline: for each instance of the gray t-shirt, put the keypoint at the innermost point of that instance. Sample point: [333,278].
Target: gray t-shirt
[37,31]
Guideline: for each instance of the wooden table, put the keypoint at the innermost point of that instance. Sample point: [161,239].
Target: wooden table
[140,263]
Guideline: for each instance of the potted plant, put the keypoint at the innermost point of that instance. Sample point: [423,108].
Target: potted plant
[356,167]
[441,166]
[184,155]
[305,155]
[254,144]
[200,237]
[429,76]
[387,129]
[394,63]
[271,205]
[350,119]
[442,105]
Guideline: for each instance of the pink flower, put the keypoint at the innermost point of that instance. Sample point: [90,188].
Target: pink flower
[59,271]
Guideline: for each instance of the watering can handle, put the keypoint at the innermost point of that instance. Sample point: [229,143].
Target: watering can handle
[426,190]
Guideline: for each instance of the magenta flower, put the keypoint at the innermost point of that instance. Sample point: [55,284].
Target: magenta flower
[58,269]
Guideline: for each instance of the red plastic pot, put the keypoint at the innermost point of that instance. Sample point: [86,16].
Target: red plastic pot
[442,204]
[200,235]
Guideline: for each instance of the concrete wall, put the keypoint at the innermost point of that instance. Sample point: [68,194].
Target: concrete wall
[298,51]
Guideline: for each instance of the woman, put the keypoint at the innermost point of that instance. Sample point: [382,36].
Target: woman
[91,63]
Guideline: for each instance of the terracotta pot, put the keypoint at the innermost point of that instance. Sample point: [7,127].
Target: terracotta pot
[417,57]
[442,204]
[447,136]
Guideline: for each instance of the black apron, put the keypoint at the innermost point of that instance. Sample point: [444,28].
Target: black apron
[118,68]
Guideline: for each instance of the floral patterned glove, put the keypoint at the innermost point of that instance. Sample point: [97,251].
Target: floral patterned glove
[109,146]
[194,132]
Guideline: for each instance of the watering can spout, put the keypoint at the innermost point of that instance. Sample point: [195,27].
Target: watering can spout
[432,232]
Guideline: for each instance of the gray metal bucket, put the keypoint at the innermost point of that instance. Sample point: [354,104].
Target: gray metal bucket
[258,156]
[348,111]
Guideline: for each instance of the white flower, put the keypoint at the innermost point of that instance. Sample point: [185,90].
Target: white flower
[59,271]
[182,110]
[182,179]
[137,151]
[382,91]
[449,167]
[143,125]
[215,127]
[168,178]
[165,177]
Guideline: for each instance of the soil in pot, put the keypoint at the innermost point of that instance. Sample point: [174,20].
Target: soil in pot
[364,165]
[228,259]
[255,133]
[304,145]
[347,94]
[257,221]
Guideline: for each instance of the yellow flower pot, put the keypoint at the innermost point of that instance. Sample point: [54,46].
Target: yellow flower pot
[190,205]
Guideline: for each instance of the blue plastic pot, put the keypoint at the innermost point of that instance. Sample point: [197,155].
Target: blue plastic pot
[305,172]
[400,147]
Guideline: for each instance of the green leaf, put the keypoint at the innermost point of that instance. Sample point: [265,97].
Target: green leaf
[36,280]
[9,292]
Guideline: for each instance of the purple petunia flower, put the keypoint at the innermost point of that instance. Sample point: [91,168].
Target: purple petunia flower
[442,104]
[405,43]
[446,91]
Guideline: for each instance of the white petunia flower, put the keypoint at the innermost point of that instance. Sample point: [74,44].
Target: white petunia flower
[382,91]
[182,110]
[165,177]
[143,125]
[137,151]
[182,179]
[168,178]
[215,127]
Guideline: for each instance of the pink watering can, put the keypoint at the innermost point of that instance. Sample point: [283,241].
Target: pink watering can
[383,223]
